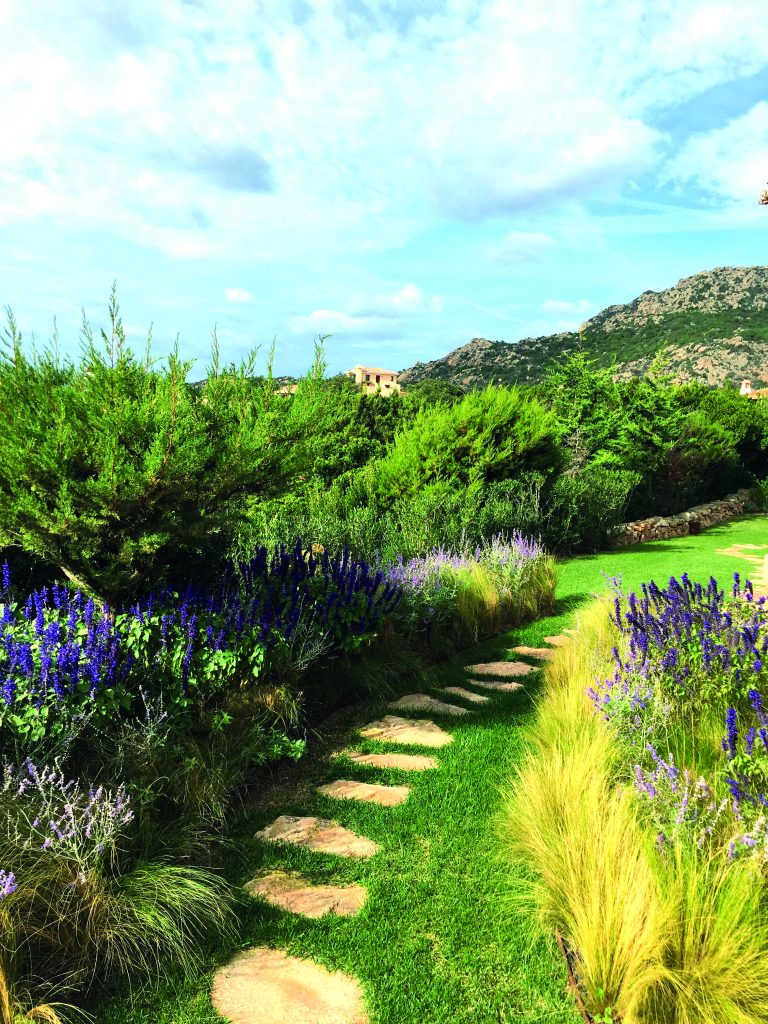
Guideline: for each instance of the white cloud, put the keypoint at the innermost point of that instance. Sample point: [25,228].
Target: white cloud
[340,324]
[353,131]
[238,295]
[564,306]
[408,299]
[730,162]
[522,247]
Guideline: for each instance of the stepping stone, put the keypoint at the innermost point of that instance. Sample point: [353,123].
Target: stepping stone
[423,702]
[420,731]
[459,691]
[557,641]
[406,762]
[543,653]
[387,796]
[294,893]
[266,986]
[318,834]
[496,685]
[500,668]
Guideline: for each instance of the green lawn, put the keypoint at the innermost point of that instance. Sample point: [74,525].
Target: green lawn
[440,939]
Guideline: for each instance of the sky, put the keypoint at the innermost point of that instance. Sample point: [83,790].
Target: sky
[401,176]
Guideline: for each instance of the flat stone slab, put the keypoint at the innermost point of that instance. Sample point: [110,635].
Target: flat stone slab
[557,641]
[543,653]
[500,668]
[474,698]
[420,731]
[496,685]
[294,893]
[318,834]
[266,986]
[387,796]
[406,762]
[423,702]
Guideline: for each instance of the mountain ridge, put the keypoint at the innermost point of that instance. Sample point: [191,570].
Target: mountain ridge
[712,326]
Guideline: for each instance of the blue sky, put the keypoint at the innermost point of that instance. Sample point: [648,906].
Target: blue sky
[404,176]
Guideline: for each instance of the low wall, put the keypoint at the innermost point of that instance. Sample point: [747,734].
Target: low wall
[680,525]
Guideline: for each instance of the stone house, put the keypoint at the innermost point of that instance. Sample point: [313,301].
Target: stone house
[372,378]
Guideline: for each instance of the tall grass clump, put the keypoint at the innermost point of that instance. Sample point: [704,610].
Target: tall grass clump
[591,881]
[652,872]
[458,597]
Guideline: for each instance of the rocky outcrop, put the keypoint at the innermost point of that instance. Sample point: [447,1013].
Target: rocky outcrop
[690,522]
[712,327]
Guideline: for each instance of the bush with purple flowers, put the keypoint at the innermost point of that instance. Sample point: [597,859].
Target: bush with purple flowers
[474,592]
[690,657]
[62,659]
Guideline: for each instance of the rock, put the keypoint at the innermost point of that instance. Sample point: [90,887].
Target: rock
[496,685]
[318,834]
[474,698]
[266,986]
[420,732]
[500,668]
[405,762]
[387,796]
[423,702]
[542,653]
[294,893]
[557,641]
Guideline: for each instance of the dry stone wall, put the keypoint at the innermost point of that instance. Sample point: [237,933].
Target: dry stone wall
[694,520]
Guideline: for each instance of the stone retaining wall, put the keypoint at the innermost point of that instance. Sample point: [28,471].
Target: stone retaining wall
[692,521]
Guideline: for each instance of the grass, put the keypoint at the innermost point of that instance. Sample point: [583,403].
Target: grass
[436,940]
[443,936]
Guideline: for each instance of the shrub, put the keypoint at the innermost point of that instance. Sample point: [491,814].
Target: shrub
[62,659]
[117,472]
[77,901]
[642,866]
[489,435]
[459,596]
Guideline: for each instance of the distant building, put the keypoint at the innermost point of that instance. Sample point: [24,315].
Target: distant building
[372,378]
[288,389]
[748,391]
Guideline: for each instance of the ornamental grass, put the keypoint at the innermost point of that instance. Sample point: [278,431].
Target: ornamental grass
[664,916]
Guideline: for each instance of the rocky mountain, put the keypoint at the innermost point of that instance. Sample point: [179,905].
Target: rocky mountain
[712,327]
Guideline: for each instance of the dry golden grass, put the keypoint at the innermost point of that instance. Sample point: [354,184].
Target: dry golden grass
[679,938]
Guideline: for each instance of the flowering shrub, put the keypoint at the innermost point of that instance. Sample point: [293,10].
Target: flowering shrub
[690,655]
[510,577]
[64,660]
[43,810]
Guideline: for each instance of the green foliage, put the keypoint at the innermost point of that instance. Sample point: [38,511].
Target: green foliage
[116,471]
[487,436]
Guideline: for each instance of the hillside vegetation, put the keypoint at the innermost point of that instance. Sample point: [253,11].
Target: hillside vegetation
[712,328]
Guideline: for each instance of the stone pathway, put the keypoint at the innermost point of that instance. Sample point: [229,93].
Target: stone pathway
[423,702]
[496,685]
[266,986]
[542,653]
[501,668]
[417,731]
[387,796]
[293,892]
[406,762]
[318,834]
[557,641]
[459,691]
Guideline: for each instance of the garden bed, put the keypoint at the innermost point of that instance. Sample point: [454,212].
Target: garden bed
[641,807]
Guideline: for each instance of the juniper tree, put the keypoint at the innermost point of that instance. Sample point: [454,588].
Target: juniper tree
[114,468]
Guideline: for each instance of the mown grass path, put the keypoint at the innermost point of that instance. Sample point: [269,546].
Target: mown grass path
[439,938]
